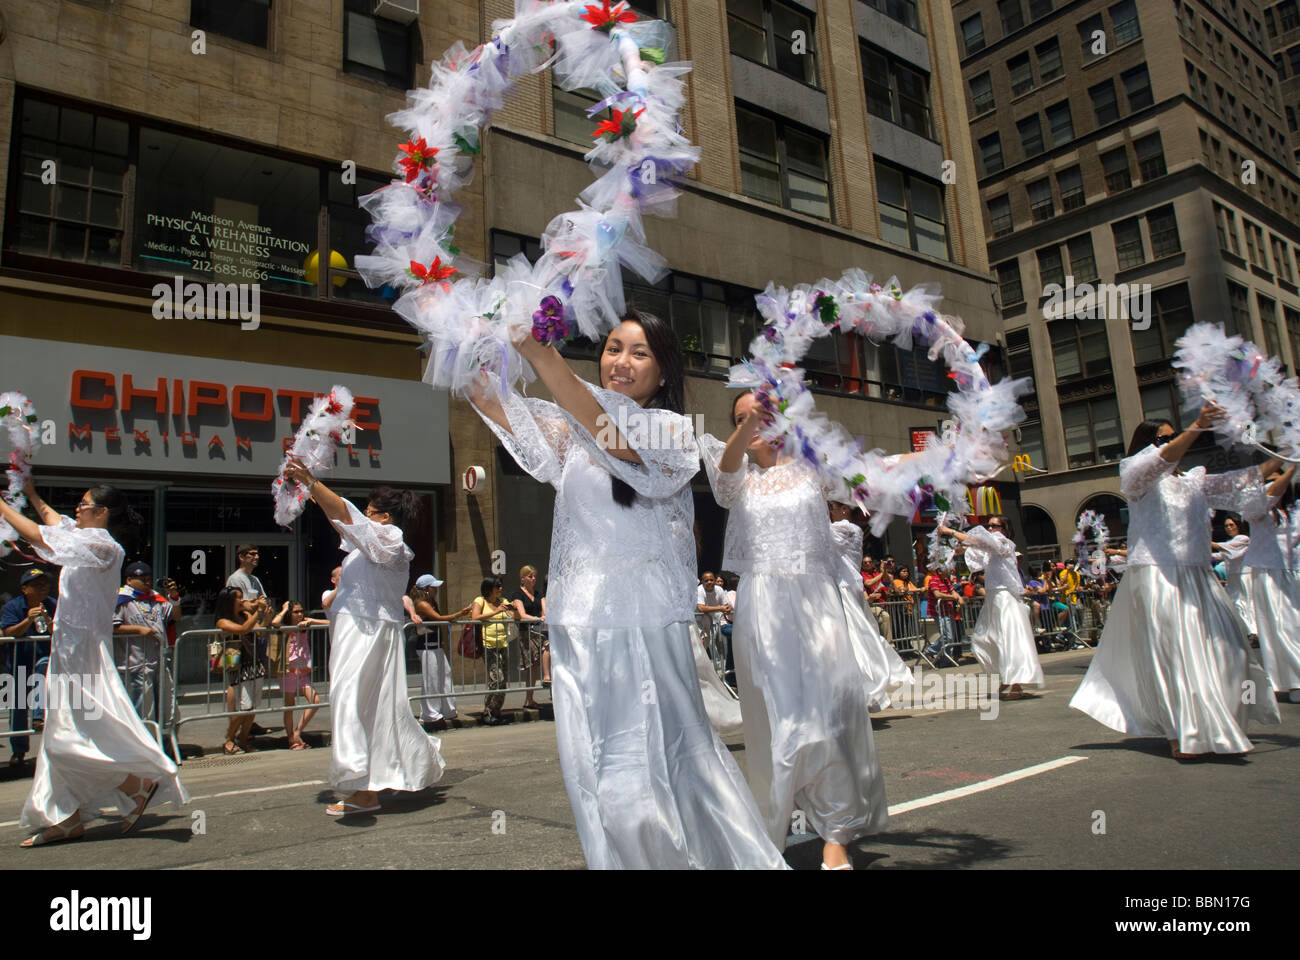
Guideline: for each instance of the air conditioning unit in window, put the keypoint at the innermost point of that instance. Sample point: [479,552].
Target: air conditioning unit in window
[403,11]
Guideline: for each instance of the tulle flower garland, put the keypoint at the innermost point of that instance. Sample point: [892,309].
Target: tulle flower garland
[1247,383]
[576,286]
[20,424]
[941,552]
[314,445]
[1094,564]
[971,448]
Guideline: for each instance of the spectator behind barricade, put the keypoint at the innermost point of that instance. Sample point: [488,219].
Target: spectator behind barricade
[710,605]
[237,619]
[291,658]
[1067,587]
[327,597]
[732,583]
[242,579]
[534,648]
[490,605]
[904,588]
[1036,589]
[30,614]
[973,586]
[140,638]
[435,664]
[876,587]
[944,605]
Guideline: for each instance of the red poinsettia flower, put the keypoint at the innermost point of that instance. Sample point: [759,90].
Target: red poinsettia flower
[603,18]
[419,156]
[433,272]
[620,124]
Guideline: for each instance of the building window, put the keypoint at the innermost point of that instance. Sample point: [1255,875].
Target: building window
[783,164]
[1092,432]
[1000,215]
[1150,156]
[1079,348]
[981,92]
[347,238]
[1239,310]
[1104,104]
[1086,30]
[1115,167]
[1050,267]
[911,211]
[1012,16]
[1083,263]
[1163,402]
[1022,74]
[1070,183]
[1171,315]
[80,217]
[972,34]
[1137,87]
[1039,9]
[1009,288]
[377,48]
[1128,243]
[896,91]
[1225,223]
[1163,227]
[1288,15]
[1031,135]
[1059,123]
[1282,257]
[1255,244]
[1040,200]
[244,20]
[1292,319]
[1124,20]
[763,31]
[1049,60]
[1268,320]
[991,153]
[904,11]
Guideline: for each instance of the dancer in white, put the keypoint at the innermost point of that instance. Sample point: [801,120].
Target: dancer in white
[1003,640]
[650,782]
[1174,655]
[1233,554]
[881,662]
[1273,594]
[95,751]
[375,741]
[804,691]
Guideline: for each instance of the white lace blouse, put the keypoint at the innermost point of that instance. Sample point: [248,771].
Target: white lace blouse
[612,566]
[375,571]
[1265,550]
[1169,515]
[777,522]
[995,554]
[88,583]
[848,543]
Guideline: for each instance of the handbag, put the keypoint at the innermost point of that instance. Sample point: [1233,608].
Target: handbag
[471,645]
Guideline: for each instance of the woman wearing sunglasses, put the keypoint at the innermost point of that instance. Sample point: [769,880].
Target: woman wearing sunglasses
[1003,640]
[1174,657]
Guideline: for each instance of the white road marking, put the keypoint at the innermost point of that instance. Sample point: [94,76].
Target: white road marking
[213,796]
[983,785]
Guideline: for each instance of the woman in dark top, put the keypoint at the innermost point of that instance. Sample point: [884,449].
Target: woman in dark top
[531,606]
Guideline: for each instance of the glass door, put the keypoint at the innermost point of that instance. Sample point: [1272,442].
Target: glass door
[200,564]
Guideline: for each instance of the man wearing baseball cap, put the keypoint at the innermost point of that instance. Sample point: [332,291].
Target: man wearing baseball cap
[140,637]
[31,614]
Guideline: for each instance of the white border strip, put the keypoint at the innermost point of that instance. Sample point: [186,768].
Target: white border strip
[983,785]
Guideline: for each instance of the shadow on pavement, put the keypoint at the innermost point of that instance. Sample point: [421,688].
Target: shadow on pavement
[391,802]
[945,850]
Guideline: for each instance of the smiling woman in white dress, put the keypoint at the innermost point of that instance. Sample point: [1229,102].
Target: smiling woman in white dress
[375,741]
[804,689]
[1233,554]
[95,751]
[1174,657]
[650,783]
[1003,640]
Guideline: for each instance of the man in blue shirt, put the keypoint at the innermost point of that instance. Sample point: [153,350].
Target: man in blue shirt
[29,615]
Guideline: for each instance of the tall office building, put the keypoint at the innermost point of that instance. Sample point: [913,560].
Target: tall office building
[1282,24]
[1136,176]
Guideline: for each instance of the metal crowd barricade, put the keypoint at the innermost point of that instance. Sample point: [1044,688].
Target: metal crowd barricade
[8,655]
[522,649]
[900,625]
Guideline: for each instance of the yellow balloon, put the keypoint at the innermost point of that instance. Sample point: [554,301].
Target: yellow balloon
[311,271]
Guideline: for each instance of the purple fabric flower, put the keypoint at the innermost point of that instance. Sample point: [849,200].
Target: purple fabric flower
[548,322]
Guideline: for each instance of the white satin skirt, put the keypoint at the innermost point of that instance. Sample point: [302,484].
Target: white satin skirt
[375,741]
[1173,662]
[1239,593]
[1003,641]
[93,738]
[651,785]
[805,698]
[877,658]
[435,677]
[719,702]
[1275,599]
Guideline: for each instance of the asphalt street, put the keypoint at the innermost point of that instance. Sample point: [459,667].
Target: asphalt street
[1040,786]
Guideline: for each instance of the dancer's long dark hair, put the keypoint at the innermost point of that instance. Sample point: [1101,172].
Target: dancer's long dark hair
[1145,435]
[662,341]
[123,520]
[404,506]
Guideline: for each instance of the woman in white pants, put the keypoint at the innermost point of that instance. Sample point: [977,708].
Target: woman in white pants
[435,667]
